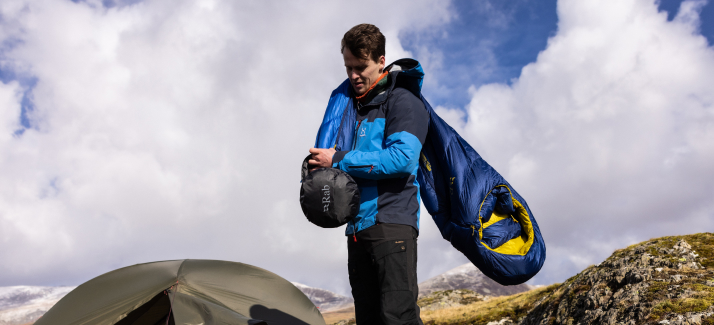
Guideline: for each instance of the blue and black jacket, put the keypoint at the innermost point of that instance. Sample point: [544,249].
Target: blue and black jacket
[389,131]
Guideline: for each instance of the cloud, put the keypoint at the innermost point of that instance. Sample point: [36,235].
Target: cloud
[165,130]
[609,134]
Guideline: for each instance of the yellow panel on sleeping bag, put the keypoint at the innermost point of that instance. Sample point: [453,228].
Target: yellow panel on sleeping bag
[516,246]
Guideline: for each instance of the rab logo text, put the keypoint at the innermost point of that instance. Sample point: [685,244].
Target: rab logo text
[326,198]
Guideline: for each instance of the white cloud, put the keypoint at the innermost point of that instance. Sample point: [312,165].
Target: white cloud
[609,135]
[171,129]
[10,102]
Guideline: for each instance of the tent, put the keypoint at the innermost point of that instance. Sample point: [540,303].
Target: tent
[185,292]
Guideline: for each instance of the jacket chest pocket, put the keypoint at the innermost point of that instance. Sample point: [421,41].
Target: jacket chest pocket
[369,136]
[361,134]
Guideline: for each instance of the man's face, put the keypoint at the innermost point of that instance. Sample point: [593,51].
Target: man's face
[362,73]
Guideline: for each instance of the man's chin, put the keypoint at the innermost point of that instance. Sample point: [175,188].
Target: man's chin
[359,90]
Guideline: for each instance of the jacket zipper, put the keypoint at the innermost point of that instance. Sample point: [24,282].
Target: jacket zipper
[355,145]
[354,142]
[363,166]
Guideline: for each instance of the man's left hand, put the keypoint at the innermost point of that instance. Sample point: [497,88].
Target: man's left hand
[321,158]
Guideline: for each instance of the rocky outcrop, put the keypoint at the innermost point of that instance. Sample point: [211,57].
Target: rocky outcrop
[662,281]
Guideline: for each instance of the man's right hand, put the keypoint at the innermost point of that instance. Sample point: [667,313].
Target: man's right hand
[321,158]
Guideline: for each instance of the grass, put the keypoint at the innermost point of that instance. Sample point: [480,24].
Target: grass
[494,309]
[680,306]
[703,244]
[335,316]
[701,298]
[461,296]
[657,291]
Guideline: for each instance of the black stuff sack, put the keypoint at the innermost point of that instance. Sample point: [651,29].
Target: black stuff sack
[329,197]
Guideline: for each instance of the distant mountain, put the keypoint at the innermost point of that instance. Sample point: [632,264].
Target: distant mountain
[467,276]
[325,300]
[25,304]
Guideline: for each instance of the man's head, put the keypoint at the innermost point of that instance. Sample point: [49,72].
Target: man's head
[363,52]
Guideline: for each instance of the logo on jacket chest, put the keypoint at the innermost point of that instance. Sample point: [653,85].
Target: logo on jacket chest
[363,131]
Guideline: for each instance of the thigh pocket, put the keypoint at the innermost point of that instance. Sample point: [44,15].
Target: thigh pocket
[392,264]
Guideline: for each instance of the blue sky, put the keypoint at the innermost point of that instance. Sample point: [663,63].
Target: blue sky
[27,82]
[706,16]
[125,125]
[500,37]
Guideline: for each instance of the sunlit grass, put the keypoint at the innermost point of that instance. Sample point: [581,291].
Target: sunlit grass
[494,309]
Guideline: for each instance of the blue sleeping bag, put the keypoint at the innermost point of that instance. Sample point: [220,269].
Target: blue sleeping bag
[473,206]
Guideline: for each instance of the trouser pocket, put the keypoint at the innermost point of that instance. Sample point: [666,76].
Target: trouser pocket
[395,263]
[391,259]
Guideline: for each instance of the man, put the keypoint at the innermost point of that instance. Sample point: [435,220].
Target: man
[390,129]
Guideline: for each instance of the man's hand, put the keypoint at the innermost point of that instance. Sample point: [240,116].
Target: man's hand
[321,158]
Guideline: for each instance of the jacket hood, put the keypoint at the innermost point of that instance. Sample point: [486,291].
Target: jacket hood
[405,73]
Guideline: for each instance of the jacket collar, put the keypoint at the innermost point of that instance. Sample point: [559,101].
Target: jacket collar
[381,94]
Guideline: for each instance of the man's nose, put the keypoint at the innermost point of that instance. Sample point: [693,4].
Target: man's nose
[353,75]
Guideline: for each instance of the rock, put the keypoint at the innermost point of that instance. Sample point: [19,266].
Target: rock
[626,288]
[682,246]
[503,321]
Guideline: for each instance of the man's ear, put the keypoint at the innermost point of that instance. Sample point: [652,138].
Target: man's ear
[382,62]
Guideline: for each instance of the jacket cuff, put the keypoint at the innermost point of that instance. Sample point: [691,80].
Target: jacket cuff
[337,157]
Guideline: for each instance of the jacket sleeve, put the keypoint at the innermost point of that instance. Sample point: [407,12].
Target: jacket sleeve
[405,129]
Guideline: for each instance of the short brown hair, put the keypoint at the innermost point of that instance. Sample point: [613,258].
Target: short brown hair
[364,41]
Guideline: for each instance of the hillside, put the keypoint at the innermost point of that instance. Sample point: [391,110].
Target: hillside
[668,280]
[325,300]
[469,277]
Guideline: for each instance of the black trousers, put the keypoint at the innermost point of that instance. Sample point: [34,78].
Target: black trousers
[382,266]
